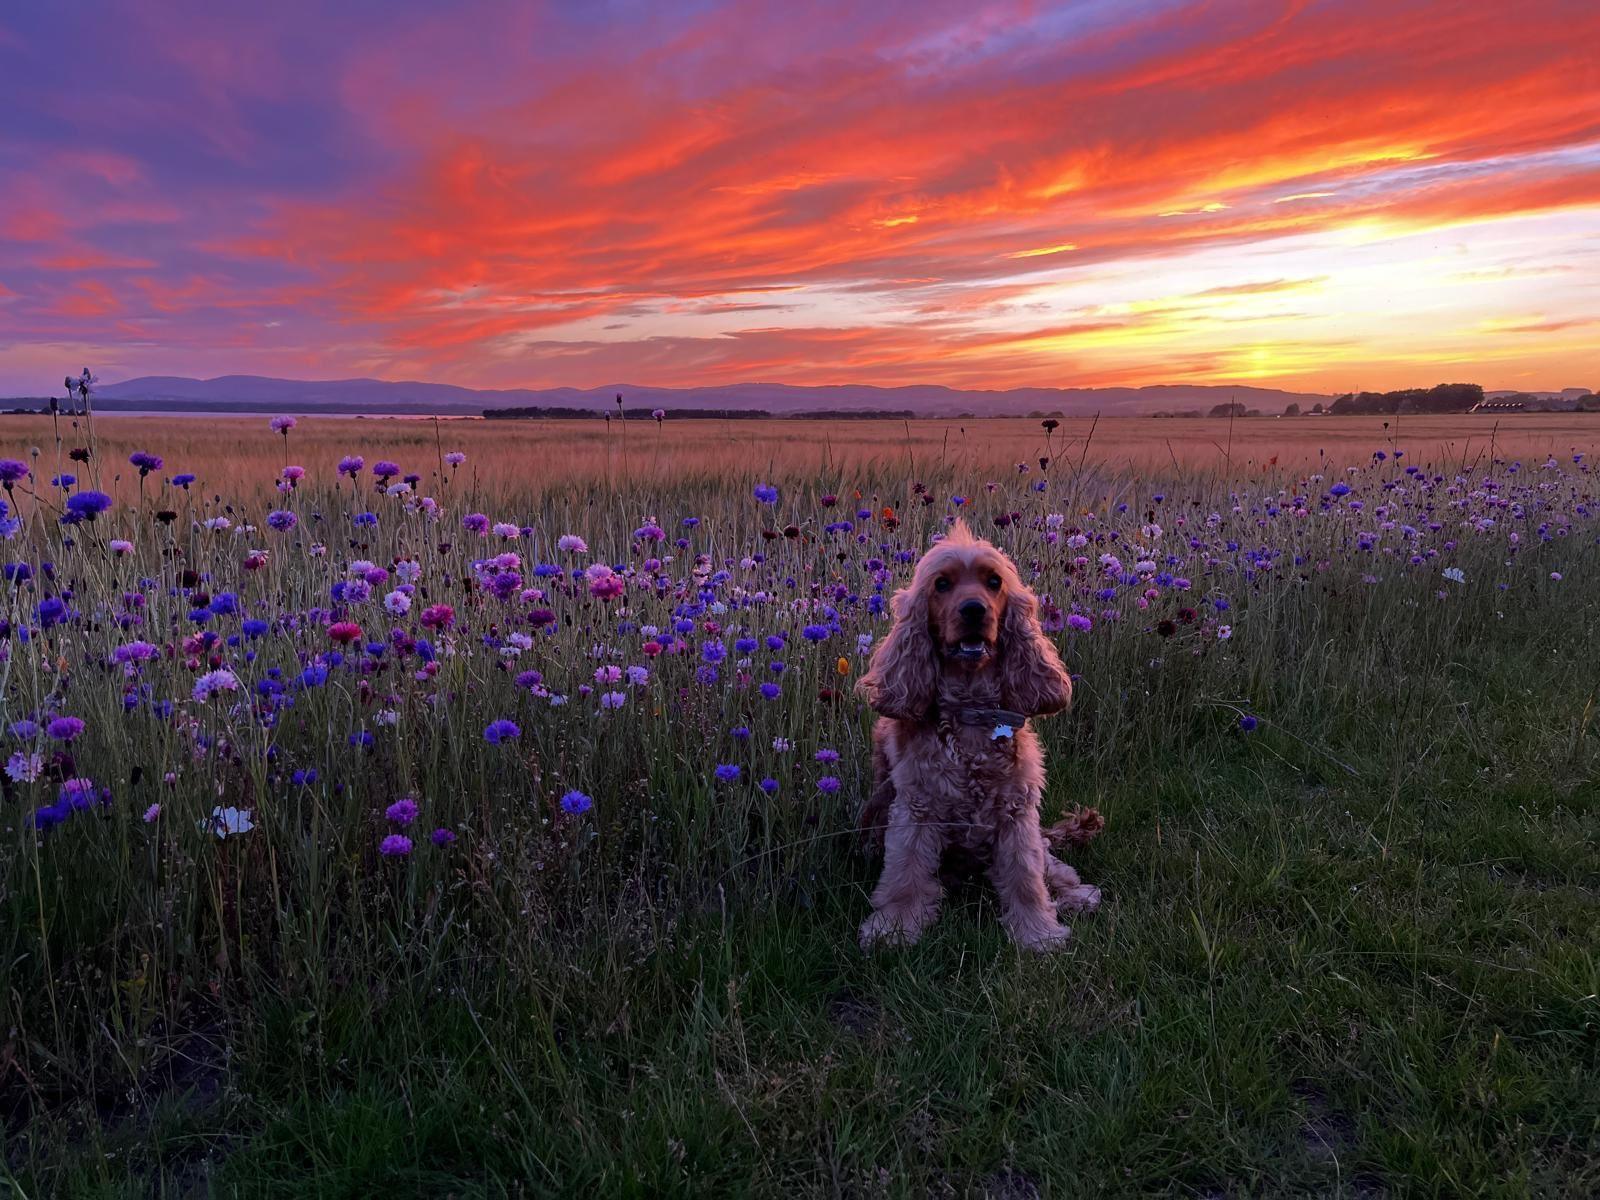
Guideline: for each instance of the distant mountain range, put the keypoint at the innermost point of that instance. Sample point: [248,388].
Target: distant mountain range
[377,397]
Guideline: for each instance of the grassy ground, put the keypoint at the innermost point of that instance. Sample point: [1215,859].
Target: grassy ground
[1305,981]
[1351,952]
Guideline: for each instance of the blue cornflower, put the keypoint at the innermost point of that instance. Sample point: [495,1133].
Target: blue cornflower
[576,803]
[87,505]
[501,731]
[727,772]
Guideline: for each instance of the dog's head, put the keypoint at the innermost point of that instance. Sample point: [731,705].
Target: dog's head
[965,611]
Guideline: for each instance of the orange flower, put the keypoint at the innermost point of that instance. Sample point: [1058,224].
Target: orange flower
[843,666]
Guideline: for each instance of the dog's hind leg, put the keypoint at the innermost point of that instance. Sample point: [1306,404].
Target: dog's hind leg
[1067,890]
[874,820]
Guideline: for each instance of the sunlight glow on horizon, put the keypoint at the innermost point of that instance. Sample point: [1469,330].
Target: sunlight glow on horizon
[1312,195]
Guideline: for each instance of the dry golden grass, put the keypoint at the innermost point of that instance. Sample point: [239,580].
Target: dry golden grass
[240,454]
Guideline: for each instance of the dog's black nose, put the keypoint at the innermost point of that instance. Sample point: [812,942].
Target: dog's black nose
[973,611]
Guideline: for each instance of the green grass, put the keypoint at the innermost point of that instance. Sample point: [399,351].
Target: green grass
[1303,982]
[1353,953]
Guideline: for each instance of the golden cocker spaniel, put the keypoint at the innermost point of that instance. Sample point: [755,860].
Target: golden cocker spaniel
[956,766]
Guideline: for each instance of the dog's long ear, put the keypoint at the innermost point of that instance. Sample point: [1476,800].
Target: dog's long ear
[1032,677]
[904,672]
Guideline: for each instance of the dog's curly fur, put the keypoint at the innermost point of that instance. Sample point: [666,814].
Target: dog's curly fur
[943,785]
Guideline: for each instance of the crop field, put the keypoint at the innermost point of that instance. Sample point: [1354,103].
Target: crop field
[467,809]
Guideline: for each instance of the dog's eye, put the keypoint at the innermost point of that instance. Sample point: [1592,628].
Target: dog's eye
[941,584]
[994,583]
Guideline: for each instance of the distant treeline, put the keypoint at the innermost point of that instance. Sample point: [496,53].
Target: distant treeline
[1445,398]
[702,414]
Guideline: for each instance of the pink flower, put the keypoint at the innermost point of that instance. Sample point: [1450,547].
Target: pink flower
[438,616]
[607,587]
[344,632]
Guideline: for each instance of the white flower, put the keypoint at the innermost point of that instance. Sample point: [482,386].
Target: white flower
[571,543]
[1455,574]
[218,524]
[408,569]
[782,745]
[227,822]
[398,604]
[1224,632]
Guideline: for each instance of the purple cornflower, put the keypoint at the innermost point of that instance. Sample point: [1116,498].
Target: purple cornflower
[1248,723]
[86,506]
[12,471]
[766,493]
[1079,623]
[145,462]
[385,469]
[442,837]
[64,729]
[282,520]
[501,731]
[826,756]
[828,783]
[351,465]
[402,811]
[396,845]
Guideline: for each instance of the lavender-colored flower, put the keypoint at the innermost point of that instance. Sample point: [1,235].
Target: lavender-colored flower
[402,811]
[396,845]
[282,520]
[212,682]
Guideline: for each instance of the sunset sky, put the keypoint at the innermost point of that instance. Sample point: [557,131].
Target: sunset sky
[1322,196]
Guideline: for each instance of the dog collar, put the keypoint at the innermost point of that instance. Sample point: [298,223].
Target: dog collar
[992,717]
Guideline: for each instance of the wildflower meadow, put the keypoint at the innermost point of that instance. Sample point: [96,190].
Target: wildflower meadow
[388,824]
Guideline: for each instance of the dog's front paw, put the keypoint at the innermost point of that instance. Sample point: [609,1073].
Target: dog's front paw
[892,927]
[1042,938]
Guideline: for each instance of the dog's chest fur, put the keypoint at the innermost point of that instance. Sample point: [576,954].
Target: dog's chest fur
[968,780]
